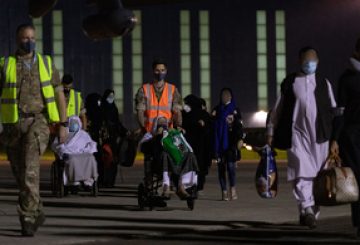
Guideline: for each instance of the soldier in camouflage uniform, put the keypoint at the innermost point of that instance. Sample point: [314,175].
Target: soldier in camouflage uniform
[25,129]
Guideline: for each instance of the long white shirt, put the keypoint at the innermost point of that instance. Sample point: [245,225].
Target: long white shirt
[306,157]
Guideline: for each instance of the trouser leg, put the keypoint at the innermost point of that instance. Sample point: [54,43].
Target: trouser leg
[231,168]
[303,192]
[222,175]
[28,142]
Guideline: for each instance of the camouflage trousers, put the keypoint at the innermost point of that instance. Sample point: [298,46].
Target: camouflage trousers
[25,142]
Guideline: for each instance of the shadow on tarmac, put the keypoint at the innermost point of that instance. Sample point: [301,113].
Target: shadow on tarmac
[234,231]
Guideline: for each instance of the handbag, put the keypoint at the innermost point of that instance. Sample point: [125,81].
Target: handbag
[335,184]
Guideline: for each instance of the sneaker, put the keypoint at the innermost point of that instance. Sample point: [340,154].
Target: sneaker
[225,196]
[233,194]
[316,210]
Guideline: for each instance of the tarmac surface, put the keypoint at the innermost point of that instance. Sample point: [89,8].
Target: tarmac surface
[114,216]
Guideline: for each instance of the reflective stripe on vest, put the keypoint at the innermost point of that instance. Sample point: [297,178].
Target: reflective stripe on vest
[9,102]
[156,109]
[74,106]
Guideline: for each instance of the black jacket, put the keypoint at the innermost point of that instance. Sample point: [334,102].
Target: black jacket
[283,130]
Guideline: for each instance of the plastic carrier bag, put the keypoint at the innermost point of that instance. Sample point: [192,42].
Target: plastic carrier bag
[175,144]
[266,178]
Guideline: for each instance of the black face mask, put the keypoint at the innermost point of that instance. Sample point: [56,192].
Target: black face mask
[28,46]
[66,91]
[159,76]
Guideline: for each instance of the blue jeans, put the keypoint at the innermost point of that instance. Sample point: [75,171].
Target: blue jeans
[230,167]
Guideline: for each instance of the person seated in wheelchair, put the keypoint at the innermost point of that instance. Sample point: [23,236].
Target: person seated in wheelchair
[76,153]
[172,157]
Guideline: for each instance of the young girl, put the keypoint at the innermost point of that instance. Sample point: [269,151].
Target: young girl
[228,135]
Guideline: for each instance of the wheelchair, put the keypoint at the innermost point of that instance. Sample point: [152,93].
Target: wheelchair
[57,178]
[148,190]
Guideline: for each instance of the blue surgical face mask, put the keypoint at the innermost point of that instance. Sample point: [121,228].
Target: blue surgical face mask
[309,67]
[74,126]
[28,46]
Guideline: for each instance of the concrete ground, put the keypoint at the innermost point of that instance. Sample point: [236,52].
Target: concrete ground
[114,217]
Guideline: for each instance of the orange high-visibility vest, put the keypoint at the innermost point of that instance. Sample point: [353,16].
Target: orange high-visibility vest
[156,109]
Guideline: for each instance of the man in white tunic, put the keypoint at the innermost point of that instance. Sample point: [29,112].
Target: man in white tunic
[301,123]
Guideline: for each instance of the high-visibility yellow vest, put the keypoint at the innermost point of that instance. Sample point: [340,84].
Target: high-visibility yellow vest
[9,101]
[74,106]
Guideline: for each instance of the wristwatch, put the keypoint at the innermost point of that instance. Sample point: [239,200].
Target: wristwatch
[64,124]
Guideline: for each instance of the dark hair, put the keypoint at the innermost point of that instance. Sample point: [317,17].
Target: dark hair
[159,61]
[303,50]
[203,102]
[226,89]
[23,27]
[357,45]
[67,79]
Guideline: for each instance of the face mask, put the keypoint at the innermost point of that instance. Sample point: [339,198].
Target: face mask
[187,108]
[110,99]
[99,102]
[74,126]
[309,67]
[66,90]
[160,76]
[28,46]
[164,127]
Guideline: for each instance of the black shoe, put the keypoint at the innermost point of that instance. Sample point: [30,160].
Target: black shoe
[302,220]
[310,221]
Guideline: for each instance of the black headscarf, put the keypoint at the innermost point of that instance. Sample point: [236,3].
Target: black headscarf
[110,111]
[93,109]
[194,102]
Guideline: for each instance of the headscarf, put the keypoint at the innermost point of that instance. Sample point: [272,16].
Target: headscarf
[110,111]
[93,110]
[194,102]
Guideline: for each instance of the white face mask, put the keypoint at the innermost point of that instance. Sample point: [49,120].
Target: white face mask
[187,108]
[110,100]
[99,102]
